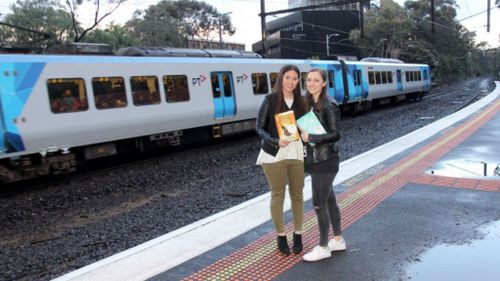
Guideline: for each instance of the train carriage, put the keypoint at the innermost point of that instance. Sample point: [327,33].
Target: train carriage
[58,110]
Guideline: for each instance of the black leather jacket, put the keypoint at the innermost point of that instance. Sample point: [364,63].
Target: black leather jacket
[266,126]
[325,145]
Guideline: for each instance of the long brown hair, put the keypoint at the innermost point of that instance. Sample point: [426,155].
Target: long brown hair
[278,88]
[322,96]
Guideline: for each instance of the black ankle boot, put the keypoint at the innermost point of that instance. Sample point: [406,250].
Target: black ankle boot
[283,245]
[297,243]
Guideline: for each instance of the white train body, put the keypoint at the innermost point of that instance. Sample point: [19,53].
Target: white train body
[36,139]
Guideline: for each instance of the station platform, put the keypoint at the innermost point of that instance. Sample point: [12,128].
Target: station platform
[422,207]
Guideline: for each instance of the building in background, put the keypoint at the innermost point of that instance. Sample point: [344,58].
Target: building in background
[304,3]
[318,34]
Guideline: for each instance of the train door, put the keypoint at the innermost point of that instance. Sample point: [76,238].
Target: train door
[426,79]
[399,82]
[357,91]
[335,83]
[223,94]
[2,127]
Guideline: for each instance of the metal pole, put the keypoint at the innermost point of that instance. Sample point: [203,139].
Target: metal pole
[327,46]
[328,42]
[220,31]
[263,26]
[488,17]
[432,17]
[361,18]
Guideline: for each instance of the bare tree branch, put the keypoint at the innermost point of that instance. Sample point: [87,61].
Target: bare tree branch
[72,6]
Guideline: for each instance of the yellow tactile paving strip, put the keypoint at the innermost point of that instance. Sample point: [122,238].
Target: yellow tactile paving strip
[260,260]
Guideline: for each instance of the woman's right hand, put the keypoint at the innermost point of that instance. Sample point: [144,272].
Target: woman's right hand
[283,143]
[305,136]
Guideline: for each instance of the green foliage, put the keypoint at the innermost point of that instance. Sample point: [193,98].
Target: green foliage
[115,35]
[171,23]
[49,16]
[406,33]
[45,16]
[385,30]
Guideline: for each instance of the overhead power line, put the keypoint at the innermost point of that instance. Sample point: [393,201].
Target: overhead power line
[477,14]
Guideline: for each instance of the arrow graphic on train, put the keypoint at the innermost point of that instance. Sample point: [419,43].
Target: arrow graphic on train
[203,78]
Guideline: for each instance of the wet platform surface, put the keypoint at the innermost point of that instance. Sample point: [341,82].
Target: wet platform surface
[397,220]
[411,214]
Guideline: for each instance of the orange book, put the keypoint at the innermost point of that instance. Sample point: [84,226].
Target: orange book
[287,126]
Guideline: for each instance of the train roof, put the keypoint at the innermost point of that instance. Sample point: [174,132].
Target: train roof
[377,59]
[184,52]
[82,58]
[394,64]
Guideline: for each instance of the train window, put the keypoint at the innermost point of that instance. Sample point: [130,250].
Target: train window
[356,77]
[378,77]
[215,85]
[109,92]
[389,77]
[303,79]
[419,76]
[384,77]
[67,95]
[407,76]
[371,77]
[176,88]
[425,74]
[331,79]
[273,76]
[259,83]
[144,90]
[226,82]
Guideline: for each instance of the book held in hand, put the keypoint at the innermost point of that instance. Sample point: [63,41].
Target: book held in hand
[310,123]
[287,126]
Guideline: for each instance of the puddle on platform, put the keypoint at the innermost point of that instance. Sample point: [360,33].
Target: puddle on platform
[477,260]
[466,169]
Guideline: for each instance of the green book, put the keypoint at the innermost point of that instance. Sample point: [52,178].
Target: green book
[310,123]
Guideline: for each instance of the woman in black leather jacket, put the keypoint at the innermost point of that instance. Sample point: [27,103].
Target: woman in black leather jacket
[322,163]
[282,160]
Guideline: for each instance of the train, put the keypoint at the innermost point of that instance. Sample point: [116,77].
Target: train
[58,111]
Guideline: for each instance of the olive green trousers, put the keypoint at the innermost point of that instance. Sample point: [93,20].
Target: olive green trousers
[278,174]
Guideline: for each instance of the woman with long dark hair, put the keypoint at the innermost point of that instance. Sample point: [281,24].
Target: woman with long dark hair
[282,160]
[322,163]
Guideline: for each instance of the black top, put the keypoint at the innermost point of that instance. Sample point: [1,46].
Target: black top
[266,125]
[323,156]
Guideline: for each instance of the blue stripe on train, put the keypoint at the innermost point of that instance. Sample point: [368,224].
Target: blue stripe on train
[16,86]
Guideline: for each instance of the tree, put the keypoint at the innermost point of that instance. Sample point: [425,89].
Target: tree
[386,30]
[452,43]
[41,16]
[115,35]
[171,23]
[74,5]
[449,51]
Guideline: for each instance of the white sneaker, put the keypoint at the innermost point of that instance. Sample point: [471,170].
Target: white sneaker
[335,245]
[317,253]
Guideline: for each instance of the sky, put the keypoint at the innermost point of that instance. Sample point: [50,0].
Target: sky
[245,18]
